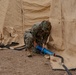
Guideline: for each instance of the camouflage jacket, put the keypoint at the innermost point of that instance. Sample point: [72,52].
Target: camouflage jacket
[41,31]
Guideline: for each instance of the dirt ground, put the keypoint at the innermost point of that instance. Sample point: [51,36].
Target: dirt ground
[17,63]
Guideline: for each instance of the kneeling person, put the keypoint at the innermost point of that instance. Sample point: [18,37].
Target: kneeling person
[37,35]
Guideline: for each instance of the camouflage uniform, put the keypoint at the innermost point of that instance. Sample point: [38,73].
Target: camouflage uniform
[28,39]
[41,32]
[38,33]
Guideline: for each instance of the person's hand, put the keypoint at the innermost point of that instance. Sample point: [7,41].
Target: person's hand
[44,46]
[35,44]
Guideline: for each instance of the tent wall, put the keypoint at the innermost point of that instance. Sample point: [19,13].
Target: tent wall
[22,14]
[55,19]
[63,18]
[35,11]
[3,9]
[13,16]
[18,15]
[11,19]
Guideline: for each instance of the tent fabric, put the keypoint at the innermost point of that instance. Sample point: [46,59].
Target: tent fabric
[20,15]
[35,11]
[3,9]
[63,19]
[16,16]
[10,20]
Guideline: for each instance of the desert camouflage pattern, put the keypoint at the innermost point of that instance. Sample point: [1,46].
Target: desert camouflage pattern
[38,33]
[28,39]
[41,31]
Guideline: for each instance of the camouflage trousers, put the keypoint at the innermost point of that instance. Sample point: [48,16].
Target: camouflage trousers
[28,39]
[29,42]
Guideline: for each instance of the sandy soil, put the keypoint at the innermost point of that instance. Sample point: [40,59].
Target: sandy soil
[17,63]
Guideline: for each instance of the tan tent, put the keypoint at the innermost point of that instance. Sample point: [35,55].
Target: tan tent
[63,18]
[18,15]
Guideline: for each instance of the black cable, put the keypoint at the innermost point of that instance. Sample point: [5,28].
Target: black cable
[20,48]
[69,73]
[2,46]
[62,61]
[9,46]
